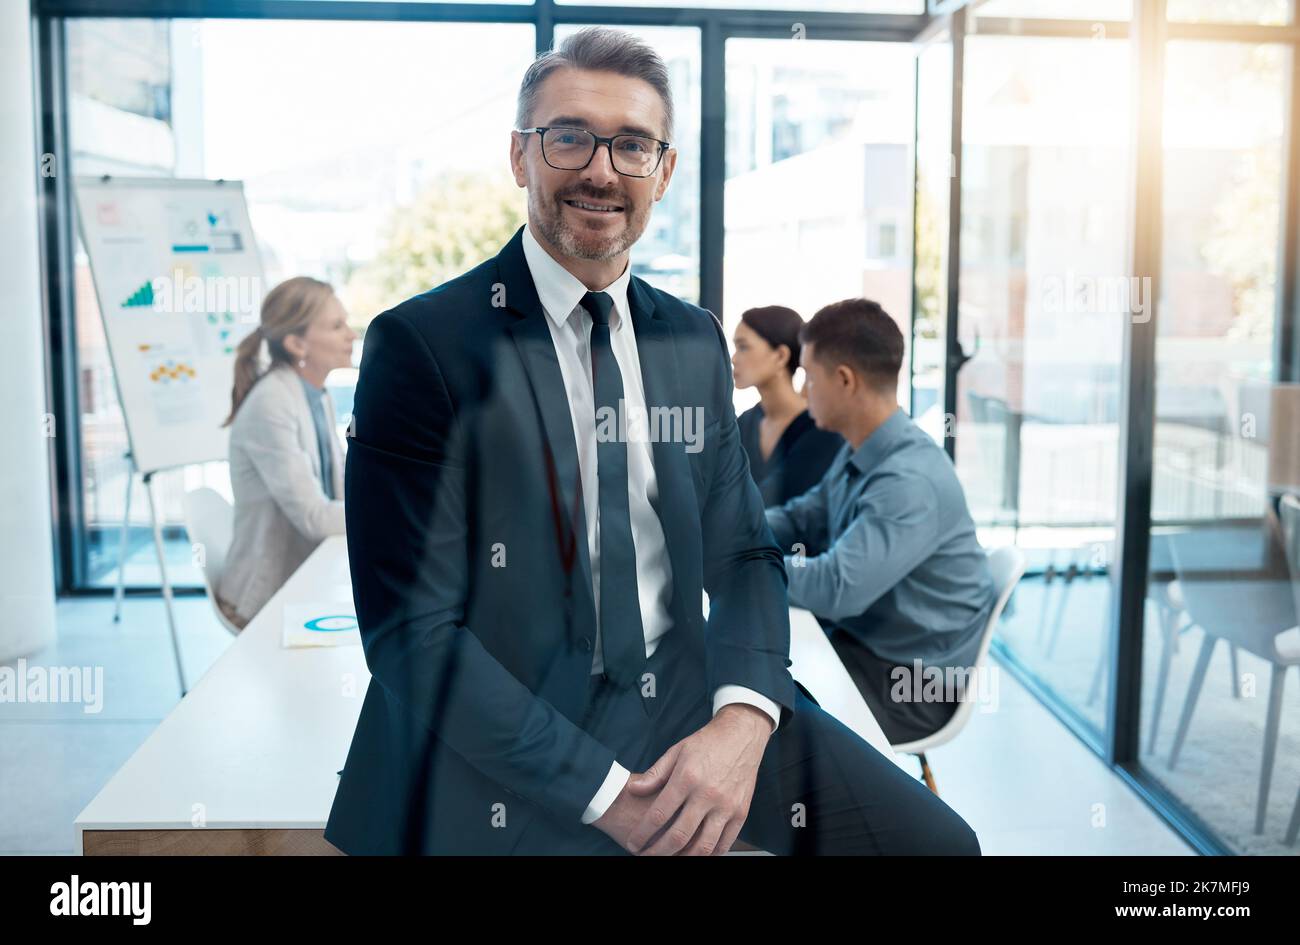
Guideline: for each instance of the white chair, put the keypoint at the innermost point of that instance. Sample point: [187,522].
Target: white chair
[1008,566]
[1255,615]
[210,521]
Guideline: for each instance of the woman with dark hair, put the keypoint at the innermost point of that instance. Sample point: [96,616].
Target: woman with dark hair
[788,455]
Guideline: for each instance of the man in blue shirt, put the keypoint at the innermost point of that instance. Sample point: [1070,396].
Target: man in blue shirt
[883,549]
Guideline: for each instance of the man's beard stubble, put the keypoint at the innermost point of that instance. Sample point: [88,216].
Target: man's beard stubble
[585,245]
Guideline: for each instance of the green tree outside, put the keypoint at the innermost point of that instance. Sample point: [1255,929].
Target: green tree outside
[454,224]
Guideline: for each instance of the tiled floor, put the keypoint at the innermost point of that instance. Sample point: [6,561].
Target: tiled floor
[1025,784]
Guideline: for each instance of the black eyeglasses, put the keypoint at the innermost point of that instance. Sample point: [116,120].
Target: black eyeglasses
[571,149]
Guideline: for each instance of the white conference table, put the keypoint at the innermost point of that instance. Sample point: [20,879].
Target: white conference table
[248,761]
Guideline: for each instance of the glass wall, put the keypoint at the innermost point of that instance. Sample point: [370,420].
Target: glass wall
[1218,728]
[1044,294]
[668,253]
[358,169]
[132,90]
[352,153]
[1047,296]
[818,177]
[935,170]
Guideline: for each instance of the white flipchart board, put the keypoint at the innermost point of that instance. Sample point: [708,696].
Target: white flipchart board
[179,283]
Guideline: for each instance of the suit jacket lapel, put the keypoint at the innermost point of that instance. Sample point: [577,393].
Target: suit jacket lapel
[532,339]
[657,351]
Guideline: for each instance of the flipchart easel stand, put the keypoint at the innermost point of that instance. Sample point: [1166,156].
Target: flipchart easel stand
[156,528]
[135,229]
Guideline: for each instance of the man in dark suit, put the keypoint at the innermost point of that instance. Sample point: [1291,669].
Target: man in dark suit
[544,479]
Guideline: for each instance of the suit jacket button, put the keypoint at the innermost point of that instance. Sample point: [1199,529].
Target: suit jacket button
[586,644]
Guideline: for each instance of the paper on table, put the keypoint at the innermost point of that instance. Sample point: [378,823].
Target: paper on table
[327,623]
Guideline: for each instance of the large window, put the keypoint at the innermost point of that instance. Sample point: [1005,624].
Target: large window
[1048,300]
[358,166]
[819,168]
[1221,602]
[370,161]
[1044,297]
[935,170]
[668,253]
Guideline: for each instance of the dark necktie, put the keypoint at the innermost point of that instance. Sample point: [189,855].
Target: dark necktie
[621,634]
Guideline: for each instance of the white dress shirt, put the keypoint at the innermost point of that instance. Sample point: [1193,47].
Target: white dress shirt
[560,293]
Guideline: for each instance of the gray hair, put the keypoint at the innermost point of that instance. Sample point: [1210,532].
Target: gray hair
[598,49]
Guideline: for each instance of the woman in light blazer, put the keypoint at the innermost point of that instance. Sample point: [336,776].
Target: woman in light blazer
[286,462]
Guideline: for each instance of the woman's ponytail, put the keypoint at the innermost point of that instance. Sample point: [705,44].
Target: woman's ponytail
[288,309]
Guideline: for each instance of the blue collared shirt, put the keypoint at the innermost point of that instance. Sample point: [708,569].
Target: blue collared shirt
[316,400]
[889,549]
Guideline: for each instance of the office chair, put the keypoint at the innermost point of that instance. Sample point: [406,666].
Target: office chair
[209,520]
[1008,566]
[1259,616]
[1173,622]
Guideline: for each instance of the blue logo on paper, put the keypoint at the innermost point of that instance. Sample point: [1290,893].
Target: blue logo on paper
[332,624]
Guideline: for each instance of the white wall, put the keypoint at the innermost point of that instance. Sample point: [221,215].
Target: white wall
[26,561]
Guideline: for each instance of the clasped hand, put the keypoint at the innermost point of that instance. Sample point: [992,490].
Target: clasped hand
[694,800]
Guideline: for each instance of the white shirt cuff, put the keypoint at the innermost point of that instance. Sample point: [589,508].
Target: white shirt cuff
[615,781]
[726,695]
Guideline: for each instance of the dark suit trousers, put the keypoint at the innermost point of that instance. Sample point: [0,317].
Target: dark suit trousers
[820,788]
[902,721]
